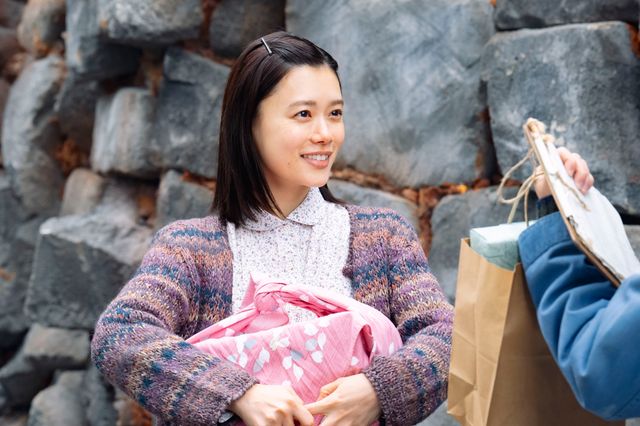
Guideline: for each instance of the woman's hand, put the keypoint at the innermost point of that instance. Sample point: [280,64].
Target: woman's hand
[347,401]
[271,405]
[576,167]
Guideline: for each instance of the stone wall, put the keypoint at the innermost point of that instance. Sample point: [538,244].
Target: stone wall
[110,121]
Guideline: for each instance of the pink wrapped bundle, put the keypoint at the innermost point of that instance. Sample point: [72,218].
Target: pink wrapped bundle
[307,355]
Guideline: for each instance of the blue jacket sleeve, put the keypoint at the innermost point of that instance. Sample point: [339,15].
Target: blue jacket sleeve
[592,329]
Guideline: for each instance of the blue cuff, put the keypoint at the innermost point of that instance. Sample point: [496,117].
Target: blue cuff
[546,206]
[539,237]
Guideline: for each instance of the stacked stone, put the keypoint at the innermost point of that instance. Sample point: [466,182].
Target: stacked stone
[111,116]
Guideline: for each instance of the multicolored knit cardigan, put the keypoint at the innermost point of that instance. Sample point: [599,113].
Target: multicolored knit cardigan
[184,284]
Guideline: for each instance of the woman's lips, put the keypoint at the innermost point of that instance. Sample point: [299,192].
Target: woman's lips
[318,160]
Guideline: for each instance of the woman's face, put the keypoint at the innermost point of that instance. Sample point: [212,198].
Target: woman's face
[298,129]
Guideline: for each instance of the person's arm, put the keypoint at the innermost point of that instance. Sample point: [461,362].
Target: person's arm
[412,382]
[136,345]
[591,328]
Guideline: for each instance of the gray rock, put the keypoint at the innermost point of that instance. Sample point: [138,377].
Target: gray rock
[30,135]
[82,192]
[188,112]
[516,14]
[86,53]
[127,201]
[13,323]
[16,254]
[179,199]
[9,45]
[56,348]
[150,22]
[61,403]
[633,233]
[413,93]
[235,23]
[369,197]
[80,264]
[100,410]
[10,13]
[4,95]
[452,220]
[41,25]
[75,107]
[122,132]
[633,422]
[14,419]
[439,418]
[589,100]
[21,380]
[10,211]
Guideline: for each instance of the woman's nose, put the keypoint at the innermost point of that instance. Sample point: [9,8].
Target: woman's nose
[321,132]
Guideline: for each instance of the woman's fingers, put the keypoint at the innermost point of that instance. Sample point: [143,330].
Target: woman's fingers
[303,416]
[577,168]
[328,389]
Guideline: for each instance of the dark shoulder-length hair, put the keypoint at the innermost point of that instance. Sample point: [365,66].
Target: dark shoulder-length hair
[241,188]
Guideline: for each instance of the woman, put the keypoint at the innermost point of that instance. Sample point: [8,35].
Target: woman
[280,132]
[590,326]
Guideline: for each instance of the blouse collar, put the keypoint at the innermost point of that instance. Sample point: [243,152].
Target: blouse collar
[309,212]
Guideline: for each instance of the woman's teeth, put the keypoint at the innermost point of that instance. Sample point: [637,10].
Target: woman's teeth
[317,157]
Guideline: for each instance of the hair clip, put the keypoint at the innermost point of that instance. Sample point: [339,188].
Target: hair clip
[266,45]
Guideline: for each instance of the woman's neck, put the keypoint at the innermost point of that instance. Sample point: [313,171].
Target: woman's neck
[288,200]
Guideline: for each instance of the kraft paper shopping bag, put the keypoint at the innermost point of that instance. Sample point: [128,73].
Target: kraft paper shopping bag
[501,371]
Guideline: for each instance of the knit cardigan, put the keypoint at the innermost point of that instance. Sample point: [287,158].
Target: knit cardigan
[184,284]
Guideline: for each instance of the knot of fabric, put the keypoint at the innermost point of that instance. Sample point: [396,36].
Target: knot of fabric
[268,297]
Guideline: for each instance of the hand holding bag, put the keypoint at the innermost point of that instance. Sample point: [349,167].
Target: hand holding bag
[341,341]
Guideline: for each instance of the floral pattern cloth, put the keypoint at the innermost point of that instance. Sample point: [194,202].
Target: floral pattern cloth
[307,355]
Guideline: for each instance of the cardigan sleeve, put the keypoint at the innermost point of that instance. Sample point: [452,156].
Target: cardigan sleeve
[591,328]
[412,382]
[136,345]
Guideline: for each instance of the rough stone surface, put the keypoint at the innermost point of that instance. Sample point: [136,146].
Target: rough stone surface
[150,22]
[515,14]
[99,399]
[188,112]
[4,95]
[14,419]
[10,13]
[127,201]
[178,199]
[75,107]
[633,233]
[9,45]
[122,132]
[30,135]
[61,403]
[10,211]
[17,241]
[21,380]
[41,25]
[452,219]
[235,23]
[56,348]
[80,264]
[86,53]
[411,82]
[588,100]
[369,197]
[82,192]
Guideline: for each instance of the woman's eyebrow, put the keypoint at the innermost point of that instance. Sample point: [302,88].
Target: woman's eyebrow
[314,103]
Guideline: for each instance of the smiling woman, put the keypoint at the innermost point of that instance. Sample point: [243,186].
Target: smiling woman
[273,214]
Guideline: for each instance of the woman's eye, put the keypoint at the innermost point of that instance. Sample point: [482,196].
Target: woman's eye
[336,113]
[304,114]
